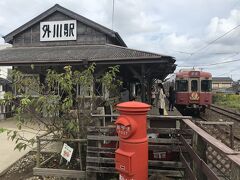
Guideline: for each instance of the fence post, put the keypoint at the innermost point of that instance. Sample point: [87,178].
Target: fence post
[235,171]
[231,136]
[38,151]
[200,147]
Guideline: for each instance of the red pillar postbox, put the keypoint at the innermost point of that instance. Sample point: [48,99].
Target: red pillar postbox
[131,158]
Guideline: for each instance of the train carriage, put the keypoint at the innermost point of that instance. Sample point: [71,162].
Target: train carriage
[193,90]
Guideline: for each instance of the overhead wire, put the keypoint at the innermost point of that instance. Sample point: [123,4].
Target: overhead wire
[232,70]
[204,47]
[213,41]
[210,43]
[213,64]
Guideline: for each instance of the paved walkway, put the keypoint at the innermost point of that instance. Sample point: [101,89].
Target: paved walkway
[8,155]
[155,111]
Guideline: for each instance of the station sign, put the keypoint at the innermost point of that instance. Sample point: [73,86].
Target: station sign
[58,30]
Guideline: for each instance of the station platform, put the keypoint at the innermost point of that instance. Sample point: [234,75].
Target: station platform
[154,110]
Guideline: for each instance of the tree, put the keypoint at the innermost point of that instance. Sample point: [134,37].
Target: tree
[53,105]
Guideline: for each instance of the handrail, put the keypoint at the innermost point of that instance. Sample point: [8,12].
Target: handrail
[148,116]
[200,163]
[205,138]
[218,146]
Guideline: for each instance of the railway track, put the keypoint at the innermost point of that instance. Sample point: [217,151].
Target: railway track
[224,132]
[225,112]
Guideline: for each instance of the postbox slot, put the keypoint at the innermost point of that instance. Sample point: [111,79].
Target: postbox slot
[124,161]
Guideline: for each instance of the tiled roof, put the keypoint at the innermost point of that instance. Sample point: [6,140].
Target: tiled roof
[67,54]
[222,79]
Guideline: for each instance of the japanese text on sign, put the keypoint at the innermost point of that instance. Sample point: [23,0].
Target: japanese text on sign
[58,30]
[67,152]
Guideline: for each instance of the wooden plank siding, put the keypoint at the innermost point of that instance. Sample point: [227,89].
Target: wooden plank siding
[85,34]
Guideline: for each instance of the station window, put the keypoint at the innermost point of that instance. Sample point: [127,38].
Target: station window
[206,85]
[181,85]
[194,85]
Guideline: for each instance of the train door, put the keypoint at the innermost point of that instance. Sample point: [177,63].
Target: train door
[206,92]
[194,90]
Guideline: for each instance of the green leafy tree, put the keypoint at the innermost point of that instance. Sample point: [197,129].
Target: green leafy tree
[54,105]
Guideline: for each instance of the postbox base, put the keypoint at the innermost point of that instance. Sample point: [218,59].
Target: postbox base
[132,160]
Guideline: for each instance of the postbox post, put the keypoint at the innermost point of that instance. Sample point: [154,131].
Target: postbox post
[131,158]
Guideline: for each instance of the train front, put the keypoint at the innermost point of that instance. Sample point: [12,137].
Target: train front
[193,90]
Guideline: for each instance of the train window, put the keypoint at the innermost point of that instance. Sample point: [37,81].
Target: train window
[206,85]
[194,85]
[181,85]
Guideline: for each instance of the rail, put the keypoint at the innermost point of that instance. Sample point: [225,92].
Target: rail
[230,114]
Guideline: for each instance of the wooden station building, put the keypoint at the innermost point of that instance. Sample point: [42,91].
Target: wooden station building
[60,37]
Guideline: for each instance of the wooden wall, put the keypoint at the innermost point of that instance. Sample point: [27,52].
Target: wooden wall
[85,34]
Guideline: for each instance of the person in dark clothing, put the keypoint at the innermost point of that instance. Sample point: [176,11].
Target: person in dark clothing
[171,98]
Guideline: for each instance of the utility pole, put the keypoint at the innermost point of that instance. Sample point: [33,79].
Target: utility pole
[113,13]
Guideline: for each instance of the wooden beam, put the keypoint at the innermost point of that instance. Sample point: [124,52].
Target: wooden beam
[162,117]
[200,147]
[59,173]
[64,140]
[155,163]
[188,169]
[111,129]
[215,123]
[142,81]
[170,173]
[200,168]
[150,140]
[134,72]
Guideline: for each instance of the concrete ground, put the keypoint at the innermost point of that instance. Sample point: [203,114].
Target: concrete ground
[8,155]
[155,111]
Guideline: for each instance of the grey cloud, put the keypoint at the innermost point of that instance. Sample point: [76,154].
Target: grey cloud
[167,26]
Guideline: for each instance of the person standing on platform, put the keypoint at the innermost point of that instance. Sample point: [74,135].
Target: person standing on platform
[171,98]
[160,99]
[124,95]
[153,95]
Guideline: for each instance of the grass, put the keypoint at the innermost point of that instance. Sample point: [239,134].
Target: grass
[227,100]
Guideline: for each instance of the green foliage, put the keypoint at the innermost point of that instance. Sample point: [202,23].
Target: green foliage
[2,130]
[53,105]
[110,80]
[227,100]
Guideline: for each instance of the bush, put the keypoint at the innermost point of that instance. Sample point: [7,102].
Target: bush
[227,100]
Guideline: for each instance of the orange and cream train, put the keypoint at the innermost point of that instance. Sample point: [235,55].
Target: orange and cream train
[193,90]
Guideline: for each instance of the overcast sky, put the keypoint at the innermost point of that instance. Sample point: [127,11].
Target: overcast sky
[185,29]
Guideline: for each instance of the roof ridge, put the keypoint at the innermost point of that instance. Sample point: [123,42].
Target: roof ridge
[53,46]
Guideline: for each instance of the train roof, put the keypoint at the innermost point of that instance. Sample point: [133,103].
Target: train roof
[193,73]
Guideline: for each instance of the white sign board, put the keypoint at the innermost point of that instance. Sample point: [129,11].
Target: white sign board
[67,152]
[58,30]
